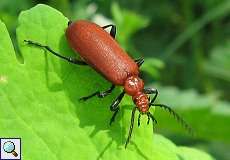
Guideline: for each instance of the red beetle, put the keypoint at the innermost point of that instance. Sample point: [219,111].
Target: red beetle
[100,50]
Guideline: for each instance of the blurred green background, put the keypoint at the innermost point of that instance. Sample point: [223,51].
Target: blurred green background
[186,46]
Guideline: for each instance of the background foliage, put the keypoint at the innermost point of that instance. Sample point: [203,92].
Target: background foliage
[186,46]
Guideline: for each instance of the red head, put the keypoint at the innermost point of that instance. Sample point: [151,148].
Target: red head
[134,86]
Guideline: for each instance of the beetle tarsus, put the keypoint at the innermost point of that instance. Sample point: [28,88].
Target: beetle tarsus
[69,59]
[99,94]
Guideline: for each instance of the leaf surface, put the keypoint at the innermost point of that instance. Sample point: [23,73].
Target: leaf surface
[39,101]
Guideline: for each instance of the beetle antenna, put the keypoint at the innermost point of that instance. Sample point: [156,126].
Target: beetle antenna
[131,126]
[176,116]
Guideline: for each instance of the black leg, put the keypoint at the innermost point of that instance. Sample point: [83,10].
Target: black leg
[152,118]
[148,118]
[151,91]
[116,102]
[99,94]
[114,115]
[131,126]
[112,31]
[69,59]
[176,116]
[115,106]
[139,61]
[139,120]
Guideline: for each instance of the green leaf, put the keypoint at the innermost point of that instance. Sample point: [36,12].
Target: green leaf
[190,154]
[39,101]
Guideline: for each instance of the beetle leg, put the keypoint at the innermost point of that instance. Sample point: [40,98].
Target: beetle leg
[139,61]
[112,31]
[131,126]
[151,91]
[148,118]
[114,115]
[115,106]
[69,59]
[152,118]
[99,94]
[139,120]
[116,102]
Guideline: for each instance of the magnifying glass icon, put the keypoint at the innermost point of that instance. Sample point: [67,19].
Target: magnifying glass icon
[9,147]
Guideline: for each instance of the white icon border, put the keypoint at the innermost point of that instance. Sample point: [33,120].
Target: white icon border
[8,139]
